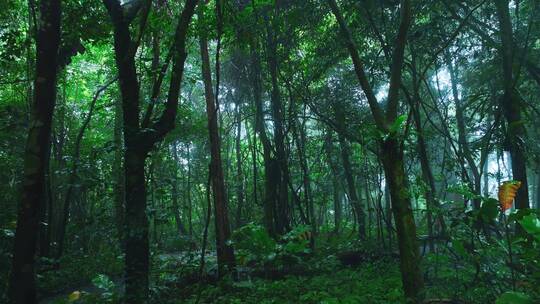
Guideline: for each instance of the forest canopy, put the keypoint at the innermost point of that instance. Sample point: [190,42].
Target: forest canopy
[270,151]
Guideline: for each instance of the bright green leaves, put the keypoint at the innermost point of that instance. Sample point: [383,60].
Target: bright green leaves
[531,224]
[395,129]
[253,243]
[513,297]
[398,124]
[457,245]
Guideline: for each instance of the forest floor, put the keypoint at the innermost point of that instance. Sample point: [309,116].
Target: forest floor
[369,276]
[377,282]
[321,281]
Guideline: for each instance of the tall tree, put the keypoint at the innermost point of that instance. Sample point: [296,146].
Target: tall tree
[72,180]
[22,285]
[280,177]
[225,253]
[511,105]
[239,173]
[391,148]
[139,138]
[348,170]
[271,166]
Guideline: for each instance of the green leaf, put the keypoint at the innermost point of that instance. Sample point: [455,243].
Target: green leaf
[519,214]
[489,209]
[512,297]
[398,124]
[458,246]
[531,224]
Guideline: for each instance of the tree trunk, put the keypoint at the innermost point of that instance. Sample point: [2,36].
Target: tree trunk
[22,286]
[411,274]
[174,192]
[538,190]
[329,148]
[118,175]
[282,217]
[225,253]
[391,149]
[239,173]
[347,169]
[190,203]
[45,231]
[464,148]
[252,143]
[511,105]
[387,217]
[136,225]
[427,173]
[270,165]
[353,195]
[72,180]
[139,141]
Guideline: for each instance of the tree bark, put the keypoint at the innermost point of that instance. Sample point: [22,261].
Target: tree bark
[22,285]
[427,173]
[118,175]
[139,141]
[391,149]
[73,174]
[464,148]
[190,203]
[282,217]
[349,177]
[225,253]
[329,148]
[411,274]
[239,172]
[174,192]
[511,105]
[271,193]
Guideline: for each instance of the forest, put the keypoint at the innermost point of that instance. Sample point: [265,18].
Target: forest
[269,151]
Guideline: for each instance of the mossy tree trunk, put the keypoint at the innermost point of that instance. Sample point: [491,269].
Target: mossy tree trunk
[391,148]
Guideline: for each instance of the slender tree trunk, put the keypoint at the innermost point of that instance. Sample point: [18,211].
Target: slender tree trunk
[387,217]
[72,180]
[239,172]
[347,169]
[22,285]
[271,167]
[427,173]
[353,195]
[337,205]
[46,217]
[464,148]
[225,253]
[252,143]
[174,186]
[511,105]
[282,217]
[329,148]
[391,149]
[306,180]
[538,190]
[190,203]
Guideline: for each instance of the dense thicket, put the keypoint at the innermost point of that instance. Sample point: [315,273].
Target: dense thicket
[279,151]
